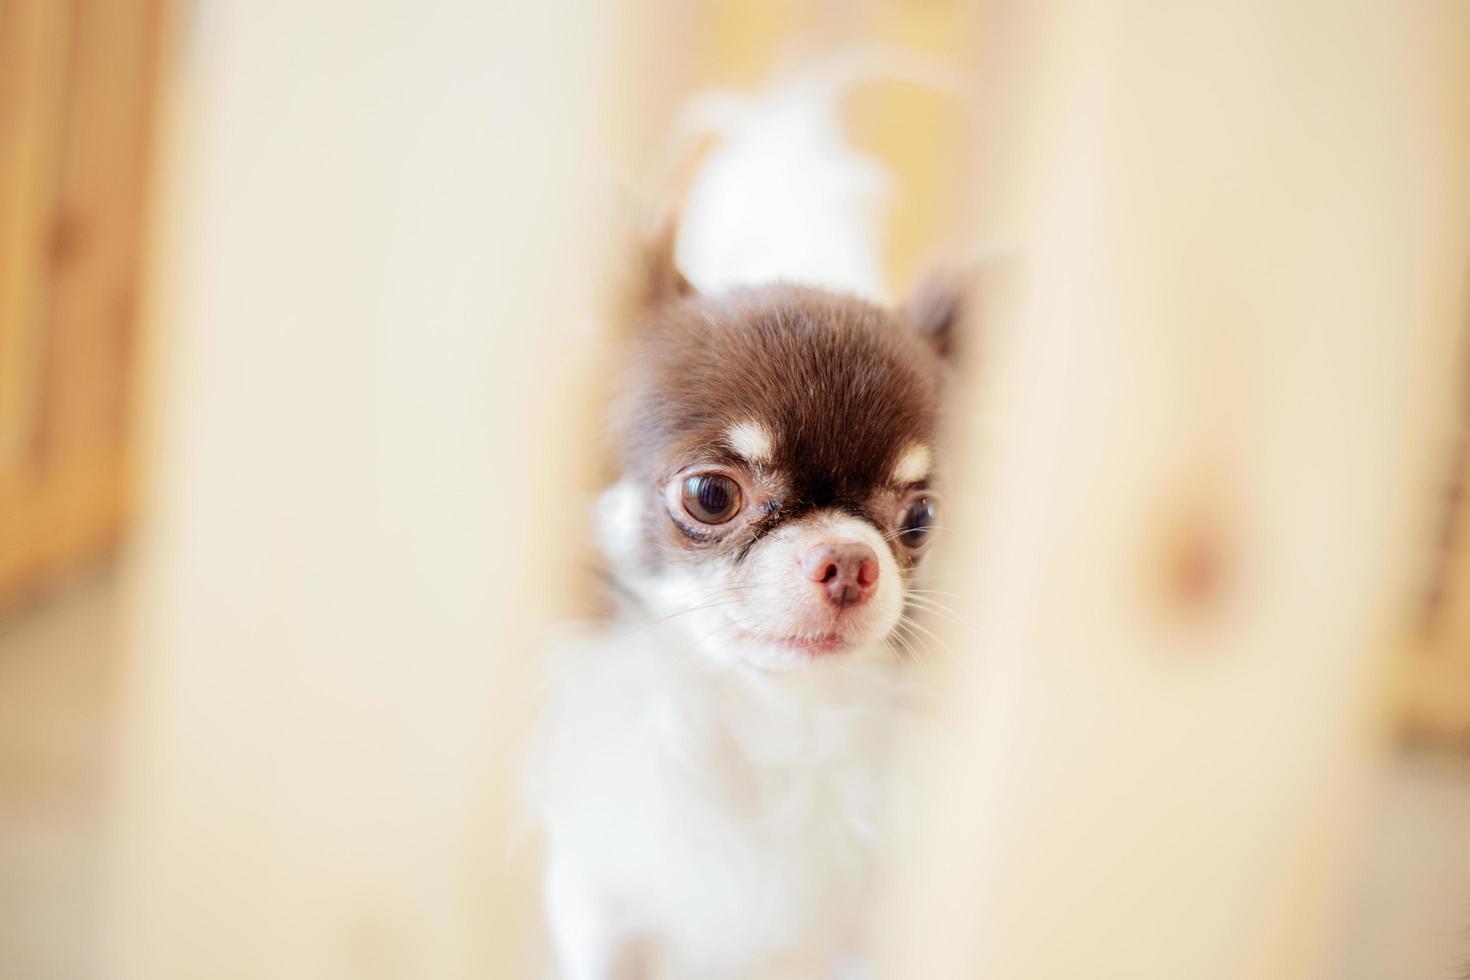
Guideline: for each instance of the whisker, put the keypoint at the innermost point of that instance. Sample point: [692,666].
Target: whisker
[929,605]
[923,655]
[912,652]
[915,624]
[899,532]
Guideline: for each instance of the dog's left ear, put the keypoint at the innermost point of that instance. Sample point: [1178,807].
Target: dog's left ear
[938,307]
[936,311]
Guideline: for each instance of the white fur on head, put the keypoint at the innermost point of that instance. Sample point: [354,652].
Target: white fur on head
[752,440]
[914,465]
[619,524]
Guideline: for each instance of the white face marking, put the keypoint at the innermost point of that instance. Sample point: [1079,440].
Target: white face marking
[619,523]
[913,465]
[764,601]
[752,440]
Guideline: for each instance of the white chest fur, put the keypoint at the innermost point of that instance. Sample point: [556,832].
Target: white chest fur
[708,818]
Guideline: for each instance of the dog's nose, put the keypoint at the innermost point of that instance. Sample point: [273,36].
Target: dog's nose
[848,571]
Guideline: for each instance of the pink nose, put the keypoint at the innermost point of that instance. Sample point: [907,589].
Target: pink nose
[847,571]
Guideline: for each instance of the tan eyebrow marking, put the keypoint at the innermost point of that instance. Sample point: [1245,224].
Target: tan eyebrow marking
[914,464]
[752,440]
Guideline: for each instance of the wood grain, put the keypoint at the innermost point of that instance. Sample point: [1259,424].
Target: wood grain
[78,87]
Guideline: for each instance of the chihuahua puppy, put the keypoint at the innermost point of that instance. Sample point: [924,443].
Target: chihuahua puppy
[711,769]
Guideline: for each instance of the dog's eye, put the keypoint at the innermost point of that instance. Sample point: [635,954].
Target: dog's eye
[915,523]
[711,498]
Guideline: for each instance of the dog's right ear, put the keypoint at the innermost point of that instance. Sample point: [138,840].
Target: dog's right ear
[662,280]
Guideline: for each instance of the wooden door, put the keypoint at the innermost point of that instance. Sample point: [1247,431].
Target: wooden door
[79,83]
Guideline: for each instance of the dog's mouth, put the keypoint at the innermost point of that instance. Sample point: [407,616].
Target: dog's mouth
[811,644]
[803,631]
[816,644]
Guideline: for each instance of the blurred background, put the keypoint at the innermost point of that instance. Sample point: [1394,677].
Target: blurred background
[302,310]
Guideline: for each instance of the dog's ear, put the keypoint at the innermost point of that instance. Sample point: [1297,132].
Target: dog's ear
[662,280]
[936,311]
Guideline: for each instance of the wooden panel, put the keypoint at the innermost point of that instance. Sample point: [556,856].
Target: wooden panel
[1436,670]
[78,83]
[375,305]
[34,47]
[1222,399]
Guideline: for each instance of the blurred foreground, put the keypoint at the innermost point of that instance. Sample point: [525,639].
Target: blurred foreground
[58,683]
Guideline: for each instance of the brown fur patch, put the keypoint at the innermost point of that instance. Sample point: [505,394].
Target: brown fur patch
[843,387]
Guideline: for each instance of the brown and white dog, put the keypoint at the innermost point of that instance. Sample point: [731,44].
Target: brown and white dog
[711,773]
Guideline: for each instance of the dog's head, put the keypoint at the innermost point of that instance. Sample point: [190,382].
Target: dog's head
[778,459]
